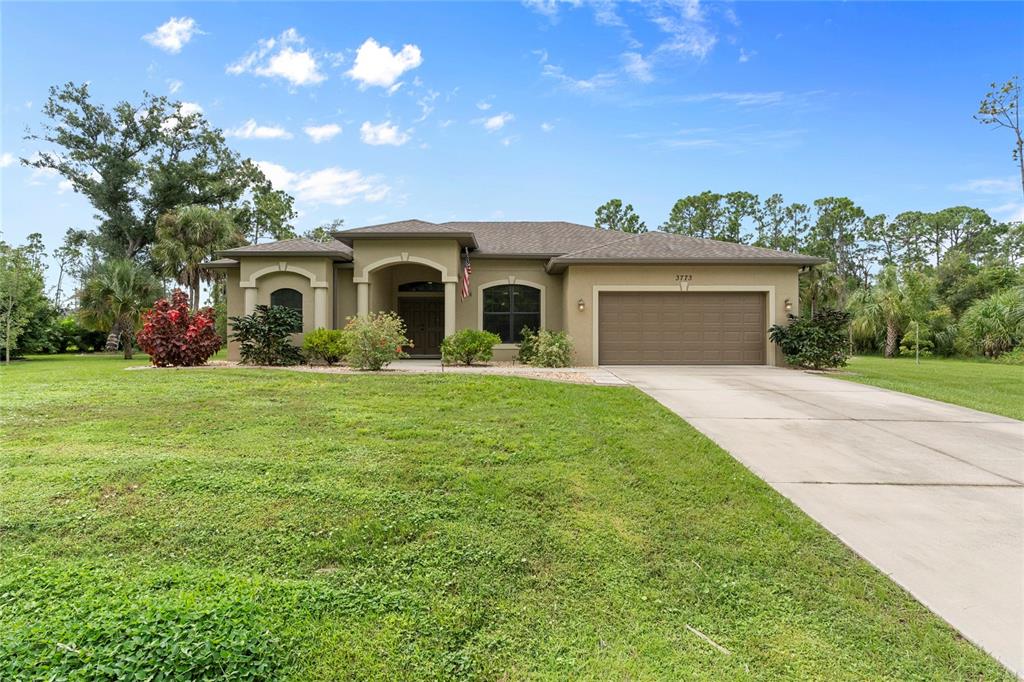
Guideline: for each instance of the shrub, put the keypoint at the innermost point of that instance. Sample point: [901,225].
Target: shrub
[817,341]
[1014,357]
[469,345]
[174,336]
[375,340]
[265,336]
[551,349]
[994,325]
[329,345]
[527,345]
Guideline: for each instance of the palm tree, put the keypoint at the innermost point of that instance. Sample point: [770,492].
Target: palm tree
[186,238]
[820,287]
[885,309]
[114,296]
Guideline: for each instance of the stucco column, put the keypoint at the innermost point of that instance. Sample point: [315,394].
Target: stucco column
[320,308]
[362,298]
[449,308]
[250,300]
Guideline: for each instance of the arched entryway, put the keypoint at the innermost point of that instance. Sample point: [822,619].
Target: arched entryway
[417,292]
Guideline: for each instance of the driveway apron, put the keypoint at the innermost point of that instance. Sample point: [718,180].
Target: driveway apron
[930,493]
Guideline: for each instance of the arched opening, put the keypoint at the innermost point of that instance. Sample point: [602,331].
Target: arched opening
[507,308]
[421,288]
[288,298]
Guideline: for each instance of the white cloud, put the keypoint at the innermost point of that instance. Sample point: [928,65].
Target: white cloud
[637,67]
[547,127]
[746,56]
[1011,212]
[376,64]
[250,130]
[483,105]
[990,185]
[174,34]
[743,99]
[279,58]
[7,159]
[332,185]
[445,123]
[174,85]
[322,133]
[382,133]
[189,108]
[64,186]
[426,104]
[507,141]
[496,122]
[596,82]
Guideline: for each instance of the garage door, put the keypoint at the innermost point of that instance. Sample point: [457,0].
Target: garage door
[675,328]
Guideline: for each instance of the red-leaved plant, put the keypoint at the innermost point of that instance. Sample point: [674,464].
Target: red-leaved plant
[173,336]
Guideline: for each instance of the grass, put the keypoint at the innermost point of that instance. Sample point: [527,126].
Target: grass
[270,524]
[978,384]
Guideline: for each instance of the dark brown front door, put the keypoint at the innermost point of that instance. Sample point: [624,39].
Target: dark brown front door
[424,323]
[675,328]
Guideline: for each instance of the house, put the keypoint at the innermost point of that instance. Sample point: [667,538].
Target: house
[651,298]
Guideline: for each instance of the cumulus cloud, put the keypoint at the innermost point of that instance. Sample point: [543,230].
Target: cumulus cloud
[483,105]
[332,185]
[250,130]
[382,133]
[7,159]
[189,108]
[496,122]
[174,34]
[547,127]
[322,133]
[281,57]
[746,56]
[376,64]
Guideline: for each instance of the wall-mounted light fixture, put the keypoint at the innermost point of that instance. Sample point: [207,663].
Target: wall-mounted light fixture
[789,306]
[580,305]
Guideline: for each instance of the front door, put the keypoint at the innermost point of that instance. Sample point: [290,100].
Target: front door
[424,323]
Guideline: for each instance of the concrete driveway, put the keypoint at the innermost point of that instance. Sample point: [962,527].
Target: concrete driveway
[932,494]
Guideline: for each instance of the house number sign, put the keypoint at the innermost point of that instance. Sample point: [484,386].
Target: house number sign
[684,278]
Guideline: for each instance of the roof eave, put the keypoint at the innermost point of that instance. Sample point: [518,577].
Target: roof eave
[464,238]
[557,265]
[342,257]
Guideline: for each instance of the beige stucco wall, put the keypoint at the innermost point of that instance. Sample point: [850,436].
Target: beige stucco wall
[344,294]
[236,307]
[370,254]
[489,271]
[585,282]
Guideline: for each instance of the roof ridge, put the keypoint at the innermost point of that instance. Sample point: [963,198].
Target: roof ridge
[598,246]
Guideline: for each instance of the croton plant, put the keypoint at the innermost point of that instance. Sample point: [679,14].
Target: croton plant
[173,335]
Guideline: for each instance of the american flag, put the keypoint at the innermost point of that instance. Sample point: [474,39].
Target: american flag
[467,270]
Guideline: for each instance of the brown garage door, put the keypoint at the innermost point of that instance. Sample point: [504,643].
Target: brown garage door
[675,328]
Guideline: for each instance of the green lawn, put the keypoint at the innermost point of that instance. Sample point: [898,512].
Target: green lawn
[979,384]
[271,524]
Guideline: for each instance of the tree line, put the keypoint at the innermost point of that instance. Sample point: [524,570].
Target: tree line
[167,193]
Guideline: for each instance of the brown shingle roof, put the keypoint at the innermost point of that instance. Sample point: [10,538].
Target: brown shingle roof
[293,247]
[220,263]
[660,247]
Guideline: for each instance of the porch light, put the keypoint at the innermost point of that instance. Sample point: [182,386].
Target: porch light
[789,306]
[580,305]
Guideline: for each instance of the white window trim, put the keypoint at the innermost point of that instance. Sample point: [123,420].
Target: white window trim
[511,279]
[684,287]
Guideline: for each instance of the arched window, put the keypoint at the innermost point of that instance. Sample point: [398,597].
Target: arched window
[510,307]
[288,298]
[421,288]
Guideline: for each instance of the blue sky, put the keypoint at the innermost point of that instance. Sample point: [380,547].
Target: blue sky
[540,110]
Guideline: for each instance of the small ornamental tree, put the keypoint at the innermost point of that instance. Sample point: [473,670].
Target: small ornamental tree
[817,341]
[265,336]
[174,336]
[375,340]
[329,345]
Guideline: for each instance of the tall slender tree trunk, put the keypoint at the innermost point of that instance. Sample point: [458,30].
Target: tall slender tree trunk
[891,337]
[114,337]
